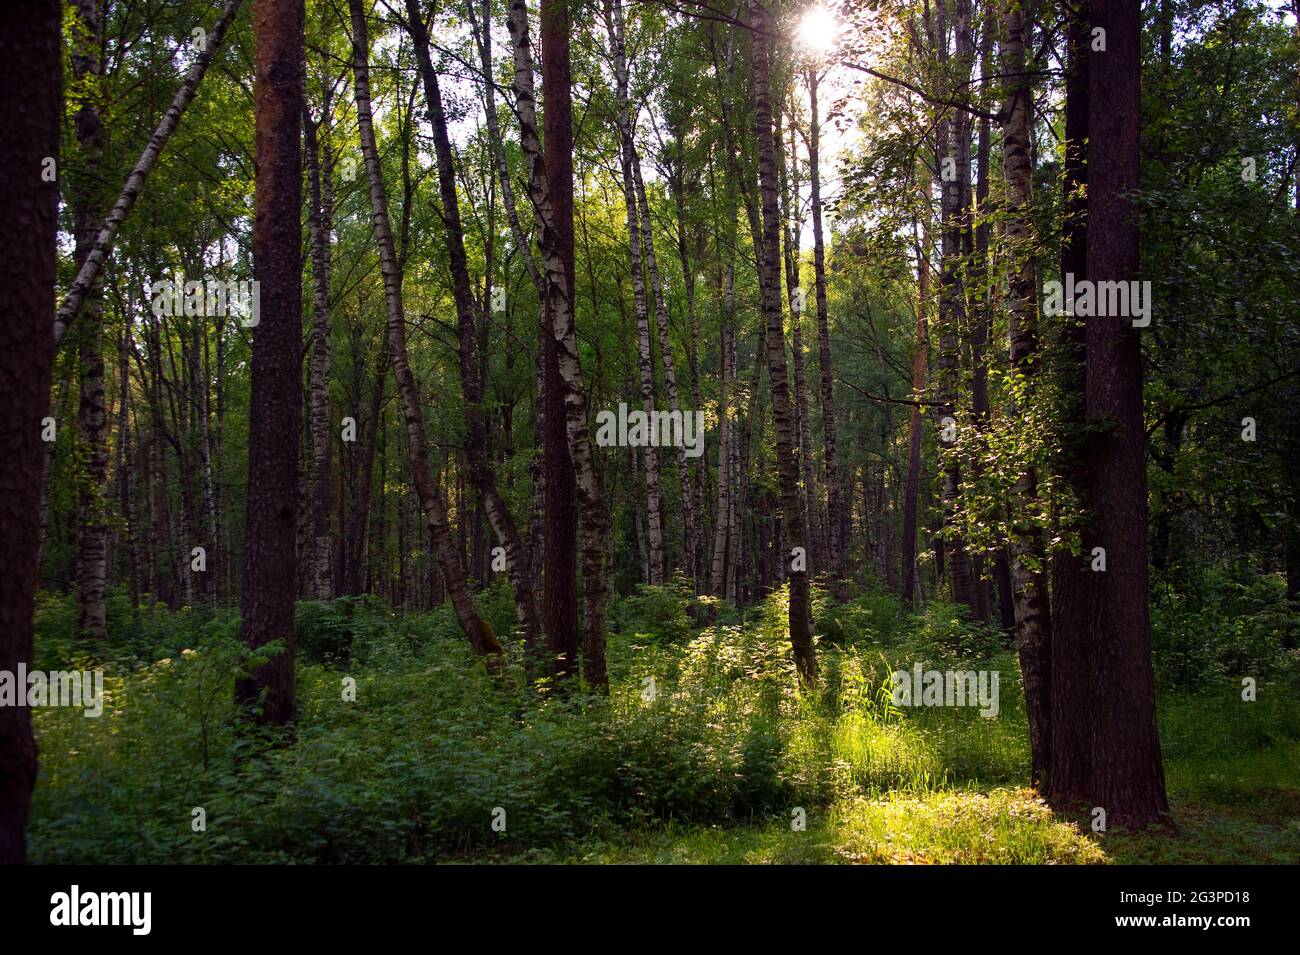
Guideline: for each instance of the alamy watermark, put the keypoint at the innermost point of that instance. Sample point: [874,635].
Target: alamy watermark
[84,688]
[209,297]
[75,907]
[656,429]
[1086,299]
[947,688]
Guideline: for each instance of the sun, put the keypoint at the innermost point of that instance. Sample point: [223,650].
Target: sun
[818,30]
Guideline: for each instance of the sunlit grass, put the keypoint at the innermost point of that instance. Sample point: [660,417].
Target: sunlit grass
[998,827]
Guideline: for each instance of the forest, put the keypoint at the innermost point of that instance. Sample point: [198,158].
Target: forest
[650,431]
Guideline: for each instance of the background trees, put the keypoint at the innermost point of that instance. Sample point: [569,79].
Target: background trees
[637,208]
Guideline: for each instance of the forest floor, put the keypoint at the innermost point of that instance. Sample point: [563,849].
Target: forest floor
[1233,811]
[705,751]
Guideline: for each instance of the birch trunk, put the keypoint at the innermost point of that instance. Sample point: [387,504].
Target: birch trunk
[1071,658]
[92,416]
[689,529]
[794,295]
[787,466]
[635,244]
[1028,567]
[320,160]
[722,526]
[480,633]
[911,576]
[88,271]
[481,474]
[954,170]
[836,500]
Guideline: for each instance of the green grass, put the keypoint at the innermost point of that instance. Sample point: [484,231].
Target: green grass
[1000,826]
[710,767]
[1254,819]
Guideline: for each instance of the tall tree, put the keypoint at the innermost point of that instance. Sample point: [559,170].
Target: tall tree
[480,633]
[783,425]
[558,256]
[723,531]
[480,467]
[92,416]
[31,93]
[320,218]
[953,133]
[1028,559]
[1070,662]
[275,405]
[635,246]
[911,582]
[788,177]
[559,480]
[689,530]
[836,503]
[1128,773]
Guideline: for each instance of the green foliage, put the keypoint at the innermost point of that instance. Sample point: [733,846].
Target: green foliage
[944,634]
[662,615]
[1218,627]
[703,727]
[873,616]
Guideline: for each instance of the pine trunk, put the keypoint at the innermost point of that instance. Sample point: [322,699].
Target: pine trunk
[275,404]
[31,89]
[1128,774]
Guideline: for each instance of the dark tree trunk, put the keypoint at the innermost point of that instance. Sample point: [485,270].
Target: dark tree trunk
[557,252]
[1071,663]
[559,482]
[31,88]
[1128,773]
[275,415]
[783,420]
